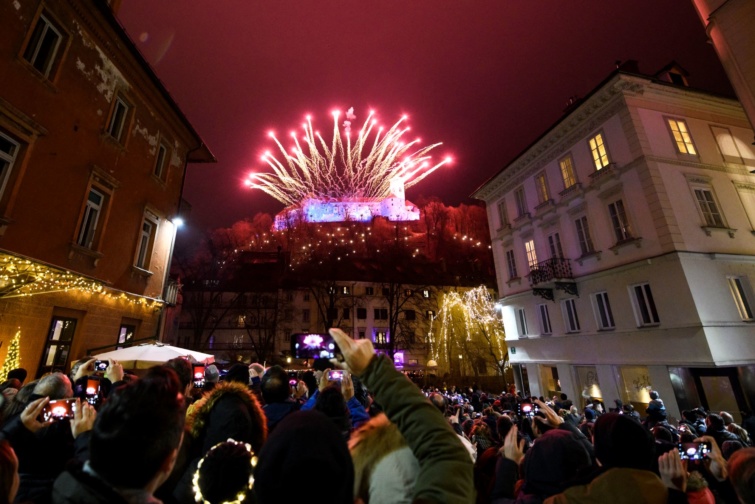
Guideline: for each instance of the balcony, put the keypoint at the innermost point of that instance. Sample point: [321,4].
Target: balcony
[555,272]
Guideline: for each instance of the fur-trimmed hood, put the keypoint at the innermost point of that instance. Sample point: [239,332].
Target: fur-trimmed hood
[238,404]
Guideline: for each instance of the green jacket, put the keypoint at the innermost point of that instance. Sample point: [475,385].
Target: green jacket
[445,470]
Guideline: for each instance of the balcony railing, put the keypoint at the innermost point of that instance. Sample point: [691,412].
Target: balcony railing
[555,268]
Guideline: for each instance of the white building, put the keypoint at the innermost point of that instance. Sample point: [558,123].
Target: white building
[624,244]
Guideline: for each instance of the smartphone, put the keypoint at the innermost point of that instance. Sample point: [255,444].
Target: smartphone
[335,375]
[58,409]
[694,451]
[100,366]
[93,391]
[314,345]
[528,409]
[198,373]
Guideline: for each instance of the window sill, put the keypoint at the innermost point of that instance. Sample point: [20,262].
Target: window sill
[709,230]
[637,242]
[649,326]
[590,255]
[140,272]
[571,192]
[515,280]
[606,329]
[77,249]
[544,207]
[525,217]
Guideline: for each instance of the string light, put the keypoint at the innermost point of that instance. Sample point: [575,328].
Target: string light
[12,358]
[241,494]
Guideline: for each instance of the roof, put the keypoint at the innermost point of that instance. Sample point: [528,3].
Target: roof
[621,70]
[199,153]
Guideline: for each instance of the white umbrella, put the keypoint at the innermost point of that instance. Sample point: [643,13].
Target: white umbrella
[153,354]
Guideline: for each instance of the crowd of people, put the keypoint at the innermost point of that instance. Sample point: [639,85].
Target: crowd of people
[354,430]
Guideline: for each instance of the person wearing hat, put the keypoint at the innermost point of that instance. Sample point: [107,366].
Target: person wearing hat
[211,377]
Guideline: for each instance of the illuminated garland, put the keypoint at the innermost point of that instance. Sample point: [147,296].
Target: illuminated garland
[241,494]
[475,310]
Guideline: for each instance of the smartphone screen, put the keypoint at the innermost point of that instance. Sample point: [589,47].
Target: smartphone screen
[58,409]
[694,451]
[198,372]
[314,345]
[335,375]
[100,365]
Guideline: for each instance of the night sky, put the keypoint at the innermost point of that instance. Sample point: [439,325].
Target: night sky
[485,77]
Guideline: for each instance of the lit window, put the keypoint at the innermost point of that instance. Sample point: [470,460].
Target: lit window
[542,188]
[125,335]
[426,293]
[567,171]
[408,292]
[644,306]
[146,242]
[161,163]
[521,322]
[571,320]
[511,263]
[346,290]
[118,118]
[603,311]
[92,212]
[708,207]
[43,46]
[503,216]
[58,345]
[531,254]
[583,233]
[682,138]
[621,228]
[599,153]
[740,289]
[9,149]
[545,319]
[554,243]
[381,337]
[521,202]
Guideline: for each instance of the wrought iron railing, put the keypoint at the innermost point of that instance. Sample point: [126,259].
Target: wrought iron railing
[555,268]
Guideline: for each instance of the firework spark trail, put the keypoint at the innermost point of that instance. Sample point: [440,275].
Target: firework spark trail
[345,168]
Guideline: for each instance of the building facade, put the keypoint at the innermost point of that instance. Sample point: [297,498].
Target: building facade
[93,153]
[624,245]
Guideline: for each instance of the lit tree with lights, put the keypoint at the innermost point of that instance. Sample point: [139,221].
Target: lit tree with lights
[467,334]
[12,358]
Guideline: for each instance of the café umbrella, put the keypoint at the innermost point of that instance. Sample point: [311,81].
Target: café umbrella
[146,355]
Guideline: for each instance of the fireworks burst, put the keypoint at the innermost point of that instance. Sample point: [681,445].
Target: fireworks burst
[345,168]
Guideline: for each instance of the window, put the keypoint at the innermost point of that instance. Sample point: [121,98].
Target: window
[161,164]
[603,311]
[599,152]
[289,296]
[332,314]
[708,207]
[346,314]
[92,212]
[386,292]
[305,315]
[381,314]
[503,216]
[554,244]
[426,293]
[369,291]
[362,333]
[740,289]
[621,228]
[410,315]
[146,242]
[345,290]
[430,314]
[381,337]
[545,319]
[521,322]
[541,183]
[583,233]
[362,313]
[571,321]
[726,144]
[43,46]
[118,119]
[58,345]
[644,306]
[531,255]
[306,296]
[521,202]
[408,293]
[567,171]
[240,321]
[682,138]
[9,149]
[511,263]
[125,335]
